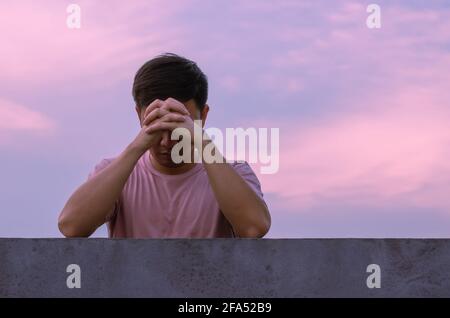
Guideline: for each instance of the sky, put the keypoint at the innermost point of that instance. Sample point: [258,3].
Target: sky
[363,114]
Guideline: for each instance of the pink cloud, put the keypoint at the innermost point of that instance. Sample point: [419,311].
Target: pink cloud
[386,138]
[270,6]
[230,83]
[409,43]
[281,84]
[18,117]
[19,120]
[378,156]
[38,48]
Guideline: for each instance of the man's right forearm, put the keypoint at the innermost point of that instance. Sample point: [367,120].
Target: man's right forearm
[90,204]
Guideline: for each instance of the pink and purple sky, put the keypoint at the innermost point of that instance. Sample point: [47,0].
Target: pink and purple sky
[364,114]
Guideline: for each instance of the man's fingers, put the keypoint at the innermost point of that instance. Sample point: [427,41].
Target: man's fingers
[172,104]
[161,125]
[153,105]
[174,117]
[154,114]
[159,108]
[164,115]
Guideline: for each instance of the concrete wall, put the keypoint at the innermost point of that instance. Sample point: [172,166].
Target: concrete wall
[224,267]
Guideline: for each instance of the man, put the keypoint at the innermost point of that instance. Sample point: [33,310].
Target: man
[142,193]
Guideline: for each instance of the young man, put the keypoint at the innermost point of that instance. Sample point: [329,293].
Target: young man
[142,193]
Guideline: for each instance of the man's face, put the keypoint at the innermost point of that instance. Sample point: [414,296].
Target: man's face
[161,152]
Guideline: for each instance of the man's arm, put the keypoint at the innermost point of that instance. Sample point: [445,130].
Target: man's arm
[242,207]
[90,204]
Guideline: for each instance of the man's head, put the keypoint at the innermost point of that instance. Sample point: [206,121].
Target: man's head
[170,75]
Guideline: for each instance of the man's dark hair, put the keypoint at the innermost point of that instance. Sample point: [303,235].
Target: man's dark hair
[170,75]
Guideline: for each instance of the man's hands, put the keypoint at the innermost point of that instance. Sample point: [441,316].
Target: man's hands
[161,116]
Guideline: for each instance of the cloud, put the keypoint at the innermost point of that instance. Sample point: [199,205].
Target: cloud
[363,114]
[396,153]
[230,83]
[340,52]
[39,49]
[19,120]
[18,117]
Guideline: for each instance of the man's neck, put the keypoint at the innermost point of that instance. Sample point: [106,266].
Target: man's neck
[168,170]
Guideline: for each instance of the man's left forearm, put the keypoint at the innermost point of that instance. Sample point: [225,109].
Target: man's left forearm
[243,208]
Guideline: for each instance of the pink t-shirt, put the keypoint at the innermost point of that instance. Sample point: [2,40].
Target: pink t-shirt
[157,205]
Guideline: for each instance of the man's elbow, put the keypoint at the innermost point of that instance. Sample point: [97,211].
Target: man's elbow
[256,231]
[68,229]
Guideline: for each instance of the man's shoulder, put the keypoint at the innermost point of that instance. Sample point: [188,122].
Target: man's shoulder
[239,164]
[242,167]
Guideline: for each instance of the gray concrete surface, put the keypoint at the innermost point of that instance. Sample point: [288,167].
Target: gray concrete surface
[225,267]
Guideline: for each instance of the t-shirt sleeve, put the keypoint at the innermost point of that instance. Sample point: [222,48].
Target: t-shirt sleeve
[97,169]
[246,172]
